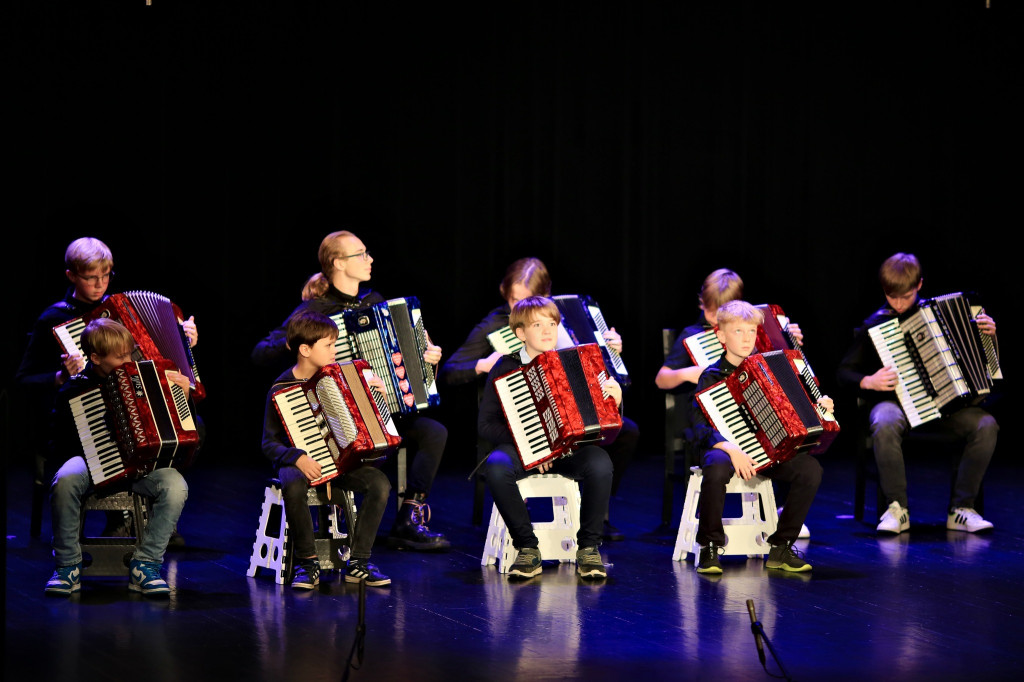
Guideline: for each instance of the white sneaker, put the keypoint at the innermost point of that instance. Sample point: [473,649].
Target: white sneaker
[965,518]
[895,520]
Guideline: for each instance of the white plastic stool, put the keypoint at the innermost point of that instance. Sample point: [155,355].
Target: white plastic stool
[272,549]
[747,534]
[557,538]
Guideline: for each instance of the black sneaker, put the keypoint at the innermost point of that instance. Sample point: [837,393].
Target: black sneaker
[708,561]
[787,558]
[307,575]
[362,570]
[589,563]
[527,564]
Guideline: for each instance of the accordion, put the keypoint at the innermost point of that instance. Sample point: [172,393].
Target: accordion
[764,408]
[134,422]
[941,358]
[390,336]
[152,320]
[556,404]
[337,419]
[585,323]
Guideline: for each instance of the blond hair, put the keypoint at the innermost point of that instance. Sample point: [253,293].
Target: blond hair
[738,311]
[104,336]
[87,253]
[719,287]
[330,248]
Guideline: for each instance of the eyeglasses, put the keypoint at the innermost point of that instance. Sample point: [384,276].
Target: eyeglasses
[96,279]
[365,255]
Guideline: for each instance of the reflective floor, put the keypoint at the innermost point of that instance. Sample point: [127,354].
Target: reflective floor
[929,604]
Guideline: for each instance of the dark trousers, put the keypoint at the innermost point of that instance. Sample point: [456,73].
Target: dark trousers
[367,481]
[591,467]
[621,450]
[424,440]
[803,473]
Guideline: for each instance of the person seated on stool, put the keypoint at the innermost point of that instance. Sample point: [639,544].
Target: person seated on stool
[534,320]
[720,459]
[862,368]
[312,335]
[107,345]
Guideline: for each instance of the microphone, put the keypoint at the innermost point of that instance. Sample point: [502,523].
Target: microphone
[755,628]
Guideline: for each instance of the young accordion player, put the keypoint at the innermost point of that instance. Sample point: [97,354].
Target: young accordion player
[556,403]
[337,419]
[766,409]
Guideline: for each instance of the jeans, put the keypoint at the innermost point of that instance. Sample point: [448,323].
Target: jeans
[424,440]
[591,467]
[974,425]
[165,487]
[367,481]
[803,473]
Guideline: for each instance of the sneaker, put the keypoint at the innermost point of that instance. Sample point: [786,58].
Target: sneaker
[895,520]
[66,580]
[965,518]
[362,570]
[307,574]
[144,577]
[708,561]
[611,533]
[786,557]
[589,563]
[527,564]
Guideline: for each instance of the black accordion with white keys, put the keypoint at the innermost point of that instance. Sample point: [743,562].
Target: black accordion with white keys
[390,336]
[941,359]
[583,319]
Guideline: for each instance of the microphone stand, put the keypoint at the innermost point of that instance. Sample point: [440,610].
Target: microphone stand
[359,642]
[758,630]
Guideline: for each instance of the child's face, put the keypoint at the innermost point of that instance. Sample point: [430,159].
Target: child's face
[91,284]
[105,364]
[902,303]
[540,335]
[739,338]
[322,352]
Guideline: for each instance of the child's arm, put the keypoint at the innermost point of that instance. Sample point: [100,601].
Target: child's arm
[669,378]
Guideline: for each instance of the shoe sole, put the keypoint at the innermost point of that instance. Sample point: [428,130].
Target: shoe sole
[153,592]
[886,531]
[716,570]
[304,586]
[968,530]
[787,567]
[525,574]
[63,591]
[593,573]
[371,583]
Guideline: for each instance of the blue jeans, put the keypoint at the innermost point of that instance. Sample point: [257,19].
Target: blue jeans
[590,466]
[974,425]
[165,487]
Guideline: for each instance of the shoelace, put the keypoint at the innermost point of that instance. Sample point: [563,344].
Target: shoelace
[421,512]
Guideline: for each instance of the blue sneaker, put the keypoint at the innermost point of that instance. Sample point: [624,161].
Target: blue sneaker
[144,577]
[307,575]
[66,580]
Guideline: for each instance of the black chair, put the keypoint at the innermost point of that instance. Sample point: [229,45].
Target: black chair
[674,445]
[922,440]
[110,556]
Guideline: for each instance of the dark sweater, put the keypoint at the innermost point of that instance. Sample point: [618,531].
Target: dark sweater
[276,444]
[273,351]
[460,368]
[862,359]
[706,436]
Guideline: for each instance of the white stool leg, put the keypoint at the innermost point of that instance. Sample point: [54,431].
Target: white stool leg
[686,537]
[269,551]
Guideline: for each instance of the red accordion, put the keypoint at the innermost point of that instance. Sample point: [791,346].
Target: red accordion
[765,408]
[337,419]
[135,422]
[556,403]
[152,320]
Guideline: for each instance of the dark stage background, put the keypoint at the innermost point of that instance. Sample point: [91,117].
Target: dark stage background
[633,147]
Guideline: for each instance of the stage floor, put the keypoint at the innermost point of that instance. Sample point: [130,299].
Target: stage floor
[929,604]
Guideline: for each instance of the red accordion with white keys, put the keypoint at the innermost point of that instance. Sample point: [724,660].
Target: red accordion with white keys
[765,408]
[152,320]
[337,419]
[135,422]
[556,404]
